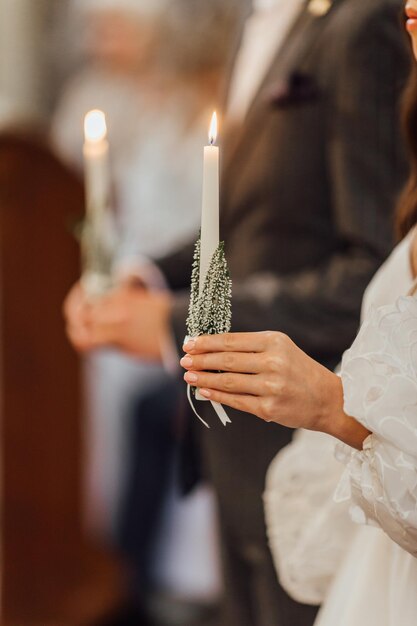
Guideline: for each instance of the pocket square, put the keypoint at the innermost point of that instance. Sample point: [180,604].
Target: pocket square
[297,89]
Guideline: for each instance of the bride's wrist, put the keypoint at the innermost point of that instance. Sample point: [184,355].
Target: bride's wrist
[335,422]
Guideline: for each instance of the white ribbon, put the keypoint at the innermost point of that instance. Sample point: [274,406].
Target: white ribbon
[221,413]
[190,400]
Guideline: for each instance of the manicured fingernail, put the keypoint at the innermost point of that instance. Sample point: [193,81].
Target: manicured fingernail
[205,392]
[186,361]
[190,345]
[190,377]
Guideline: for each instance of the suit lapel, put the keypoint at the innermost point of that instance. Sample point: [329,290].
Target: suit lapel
[298,44]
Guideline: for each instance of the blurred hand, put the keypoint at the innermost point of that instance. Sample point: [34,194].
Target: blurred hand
[268,375]
[75,306]
[131,319]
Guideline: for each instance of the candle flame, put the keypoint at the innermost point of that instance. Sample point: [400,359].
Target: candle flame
[213,129]
[95,128]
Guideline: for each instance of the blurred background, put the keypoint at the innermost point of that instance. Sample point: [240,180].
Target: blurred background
[94,526]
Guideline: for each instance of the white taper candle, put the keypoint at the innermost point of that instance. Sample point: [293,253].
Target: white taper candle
[210,206]
[96,162]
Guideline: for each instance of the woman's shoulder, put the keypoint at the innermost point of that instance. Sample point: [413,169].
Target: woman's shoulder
[393,279]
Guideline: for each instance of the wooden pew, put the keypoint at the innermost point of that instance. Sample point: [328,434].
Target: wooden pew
[50,572]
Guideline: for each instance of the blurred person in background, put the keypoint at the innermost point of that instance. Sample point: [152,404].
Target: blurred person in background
[154,67]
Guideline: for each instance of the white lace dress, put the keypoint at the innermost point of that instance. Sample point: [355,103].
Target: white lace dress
[346,535]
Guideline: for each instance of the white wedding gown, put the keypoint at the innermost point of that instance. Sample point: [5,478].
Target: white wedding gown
[346,535]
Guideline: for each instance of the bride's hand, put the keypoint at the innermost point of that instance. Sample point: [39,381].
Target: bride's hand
[268,375]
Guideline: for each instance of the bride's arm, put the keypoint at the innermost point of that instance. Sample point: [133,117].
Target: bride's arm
[381,390]
[268,375]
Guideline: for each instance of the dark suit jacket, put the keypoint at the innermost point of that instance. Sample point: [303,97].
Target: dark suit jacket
[309,183]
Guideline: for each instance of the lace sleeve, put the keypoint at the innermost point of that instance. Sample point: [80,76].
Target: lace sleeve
[308,532]
[379,376]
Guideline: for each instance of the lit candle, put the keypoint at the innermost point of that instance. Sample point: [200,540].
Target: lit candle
[96,162]
[98,240]
[210,207]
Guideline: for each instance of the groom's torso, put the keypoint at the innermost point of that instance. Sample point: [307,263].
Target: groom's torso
[277,182]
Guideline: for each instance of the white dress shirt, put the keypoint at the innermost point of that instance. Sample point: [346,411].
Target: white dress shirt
[265,31]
